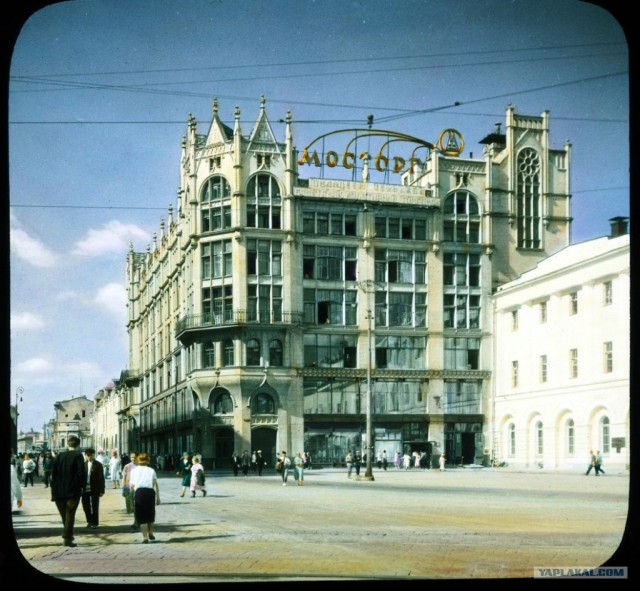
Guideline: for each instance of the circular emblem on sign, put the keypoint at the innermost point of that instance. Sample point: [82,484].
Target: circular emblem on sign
[451,142]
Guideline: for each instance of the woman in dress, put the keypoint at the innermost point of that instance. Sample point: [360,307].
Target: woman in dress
[143,483]
[115,464]
[197,477]
[185,471]
[298,467]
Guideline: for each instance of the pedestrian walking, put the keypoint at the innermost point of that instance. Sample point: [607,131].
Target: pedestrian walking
[197,477]
[93,488]
[185,472]
[357,462]
[28,470]
[598,464]
[349,462]
[67,483]
[146,495]
[245,460]
[307,460]
[260,462]
[115,467]
[254,461]
[282,465]
[16,489]
[406,461]
[592,463]
[442,461]
[398,460]
[235,463]
[126,489]
[47,466]
[104,460]
[298,468]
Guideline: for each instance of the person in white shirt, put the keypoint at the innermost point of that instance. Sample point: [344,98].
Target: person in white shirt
[143,483]
[16,489]
[115,465]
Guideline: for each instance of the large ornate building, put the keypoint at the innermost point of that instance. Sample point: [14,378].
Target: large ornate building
[289,288]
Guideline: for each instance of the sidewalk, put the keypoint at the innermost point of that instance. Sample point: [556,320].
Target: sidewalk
[480,523]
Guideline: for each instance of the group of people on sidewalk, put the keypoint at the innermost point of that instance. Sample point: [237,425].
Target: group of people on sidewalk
[78,478]
[595,463]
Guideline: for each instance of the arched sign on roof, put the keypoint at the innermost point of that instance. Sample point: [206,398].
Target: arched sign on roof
[381,157]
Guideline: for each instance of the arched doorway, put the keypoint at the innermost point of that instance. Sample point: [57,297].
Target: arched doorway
[222,448]
[264,438]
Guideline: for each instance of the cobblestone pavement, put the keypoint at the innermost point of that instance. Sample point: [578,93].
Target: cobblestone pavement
[459,524]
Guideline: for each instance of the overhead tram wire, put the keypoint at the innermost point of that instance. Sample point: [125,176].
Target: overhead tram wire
[339,61]
[126,207]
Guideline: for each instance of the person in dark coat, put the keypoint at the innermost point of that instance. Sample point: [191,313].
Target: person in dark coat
[67,483]
[93,488]
[47,466]
[235,463]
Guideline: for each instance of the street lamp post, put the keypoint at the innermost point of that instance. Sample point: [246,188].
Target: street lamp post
[368,475]
[19,391]
[368,286]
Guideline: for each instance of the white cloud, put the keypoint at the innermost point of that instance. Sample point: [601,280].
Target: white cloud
[35,365]
[113,298]
[26,321]
[30,249]
[112,238]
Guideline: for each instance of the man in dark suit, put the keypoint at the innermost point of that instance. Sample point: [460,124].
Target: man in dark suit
[67,482]
[93,488]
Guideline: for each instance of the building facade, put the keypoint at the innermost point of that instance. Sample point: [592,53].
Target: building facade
[72,417]
[562,333]
[289,289]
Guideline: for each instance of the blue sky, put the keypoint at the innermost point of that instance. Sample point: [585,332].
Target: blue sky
[100,92]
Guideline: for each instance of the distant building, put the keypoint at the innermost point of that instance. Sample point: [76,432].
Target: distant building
[72,417]
[562,333]
[30,442]
[105,419]
[270,307]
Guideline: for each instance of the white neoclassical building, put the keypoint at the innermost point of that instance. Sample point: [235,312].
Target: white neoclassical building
[561,379]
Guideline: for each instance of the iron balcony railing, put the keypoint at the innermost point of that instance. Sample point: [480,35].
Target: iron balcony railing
[235,317]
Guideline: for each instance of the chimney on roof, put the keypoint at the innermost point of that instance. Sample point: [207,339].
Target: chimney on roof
[619,226]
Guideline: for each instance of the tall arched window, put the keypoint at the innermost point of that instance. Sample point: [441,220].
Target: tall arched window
[512,439]
[528,200]
[570,432]
[263,202]
[263,404]
[253,352]
[461,218]
[222,404]
[215,204]
[228,353]
[275,353]
[539,438]
[605,435]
